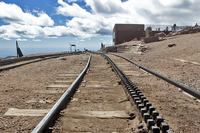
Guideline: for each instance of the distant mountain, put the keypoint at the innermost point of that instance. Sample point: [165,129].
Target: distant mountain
[8,57]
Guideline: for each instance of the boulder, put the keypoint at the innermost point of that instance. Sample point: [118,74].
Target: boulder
[161,34]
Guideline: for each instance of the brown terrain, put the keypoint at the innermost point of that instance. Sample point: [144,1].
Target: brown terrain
[26,87]
[180,63]
[99,104]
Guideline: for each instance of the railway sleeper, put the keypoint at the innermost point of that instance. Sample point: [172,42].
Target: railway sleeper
[155,123]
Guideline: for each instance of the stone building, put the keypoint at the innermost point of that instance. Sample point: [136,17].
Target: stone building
[127,32]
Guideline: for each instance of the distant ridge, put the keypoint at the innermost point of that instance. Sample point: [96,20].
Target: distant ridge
[8,57]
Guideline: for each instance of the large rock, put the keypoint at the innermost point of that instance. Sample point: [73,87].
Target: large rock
[161,35]
[150,39]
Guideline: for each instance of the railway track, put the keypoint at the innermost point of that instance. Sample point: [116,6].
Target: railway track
[178,108]
[94,102]
[27,92]
[106,100]
[17,62]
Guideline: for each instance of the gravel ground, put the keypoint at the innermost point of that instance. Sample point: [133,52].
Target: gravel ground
[180,111]
[162,59]
[99,91]
[23,88]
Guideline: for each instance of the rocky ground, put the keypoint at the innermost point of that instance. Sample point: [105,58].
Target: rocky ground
[94,102]
[18,86]
[26,87]
[167,60]
[181,63]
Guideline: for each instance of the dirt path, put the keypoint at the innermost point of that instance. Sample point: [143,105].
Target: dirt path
[99,104]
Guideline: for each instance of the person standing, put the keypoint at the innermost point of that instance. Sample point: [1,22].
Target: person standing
[167,28]
[174,27]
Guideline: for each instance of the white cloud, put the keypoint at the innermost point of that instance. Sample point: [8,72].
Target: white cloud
[32,31]
[98,19]
[21,39]
[105,13]
[72,1]
[106,7]
[170,3]
[36,40]
[12,13]
[7,32]
[71,10]
[82,40]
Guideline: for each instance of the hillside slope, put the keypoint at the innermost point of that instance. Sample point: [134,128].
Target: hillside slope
[178,109]
[167,60]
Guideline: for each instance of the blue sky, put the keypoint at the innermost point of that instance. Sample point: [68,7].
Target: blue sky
[51,25]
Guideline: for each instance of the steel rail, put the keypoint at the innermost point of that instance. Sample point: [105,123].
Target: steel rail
[58,106]
[18,65]
[151,118]
[10,61]
[187,89]
[127,82]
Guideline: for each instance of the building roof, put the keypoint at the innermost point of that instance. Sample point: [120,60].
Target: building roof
[121,26]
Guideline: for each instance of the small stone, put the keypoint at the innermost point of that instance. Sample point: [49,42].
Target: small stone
[171,45]
[61,58]
[140,126]
[174,107]
[131,113]
[83,85]
[50,128]
[119,82]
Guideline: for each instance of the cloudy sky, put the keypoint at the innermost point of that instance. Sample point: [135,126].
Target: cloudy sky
[51,25]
